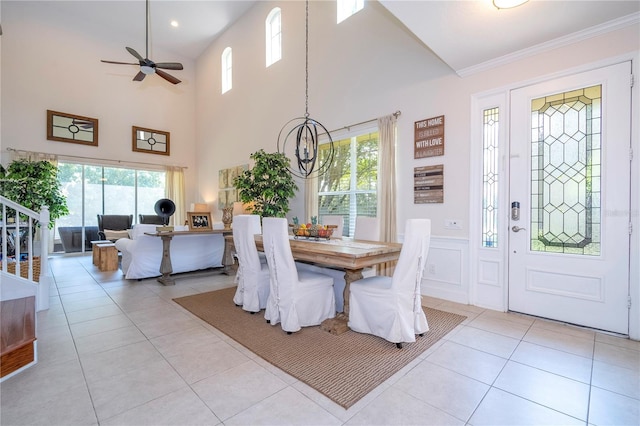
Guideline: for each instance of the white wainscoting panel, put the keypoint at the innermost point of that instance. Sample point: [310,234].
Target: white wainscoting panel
[489,287]
[446,274]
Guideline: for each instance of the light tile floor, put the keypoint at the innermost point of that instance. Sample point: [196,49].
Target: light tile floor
[118,352]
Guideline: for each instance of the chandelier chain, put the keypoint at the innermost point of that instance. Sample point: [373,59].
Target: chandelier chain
[306,64]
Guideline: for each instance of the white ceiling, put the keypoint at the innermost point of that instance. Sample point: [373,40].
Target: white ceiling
[463,33]
[123,21]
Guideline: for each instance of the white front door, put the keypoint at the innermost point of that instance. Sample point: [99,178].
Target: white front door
[570,174]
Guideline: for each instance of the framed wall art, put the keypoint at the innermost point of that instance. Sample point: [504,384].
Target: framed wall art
[227,193]
[150,141]
[63,127]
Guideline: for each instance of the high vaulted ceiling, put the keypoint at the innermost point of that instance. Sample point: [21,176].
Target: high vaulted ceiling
[465,34]
[468,34]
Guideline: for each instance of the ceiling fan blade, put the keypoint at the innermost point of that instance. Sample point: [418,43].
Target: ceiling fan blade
[170,65]
[139,76]
[169,78]
[115,62]
[134,53]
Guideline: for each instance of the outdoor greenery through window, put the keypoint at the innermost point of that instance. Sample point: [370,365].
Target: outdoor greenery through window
[93,190]
[349,187]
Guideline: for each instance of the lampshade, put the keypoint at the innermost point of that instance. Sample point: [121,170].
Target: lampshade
[199,207]
[507,4]
[238,208]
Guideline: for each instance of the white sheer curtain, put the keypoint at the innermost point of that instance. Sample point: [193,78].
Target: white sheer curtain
[387,185]
[310,197]
[174,190]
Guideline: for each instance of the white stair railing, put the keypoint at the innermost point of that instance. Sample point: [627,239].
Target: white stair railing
[13,235]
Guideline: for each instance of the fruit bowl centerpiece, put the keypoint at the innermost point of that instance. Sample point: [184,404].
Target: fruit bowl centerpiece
[312,230]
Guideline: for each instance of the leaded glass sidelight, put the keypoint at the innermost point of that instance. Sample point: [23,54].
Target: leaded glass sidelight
[490,177]
[565,172]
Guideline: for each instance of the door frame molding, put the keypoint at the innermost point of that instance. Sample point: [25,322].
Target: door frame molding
[488,267]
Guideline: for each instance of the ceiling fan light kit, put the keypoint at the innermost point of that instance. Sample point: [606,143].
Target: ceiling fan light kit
[147,66]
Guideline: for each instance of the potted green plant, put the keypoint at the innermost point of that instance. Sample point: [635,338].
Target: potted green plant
[268,186]
[34,184]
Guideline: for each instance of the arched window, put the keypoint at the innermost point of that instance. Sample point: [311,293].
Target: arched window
[273,28]
[227,66]
[347,8]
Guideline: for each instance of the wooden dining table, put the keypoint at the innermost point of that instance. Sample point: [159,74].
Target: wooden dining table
[352,256]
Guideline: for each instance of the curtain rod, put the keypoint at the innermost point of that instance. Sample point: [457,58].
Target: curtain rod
[93,158]
[395,114]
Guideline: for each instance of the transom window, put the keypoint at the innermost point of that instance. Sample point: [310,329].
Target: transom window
[350,187]
[226,70]
[273,28]
[347,8]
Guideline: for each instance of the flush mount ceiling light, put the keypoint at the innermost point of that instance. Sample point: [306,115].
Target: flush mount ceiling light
[508,4]
[305,130]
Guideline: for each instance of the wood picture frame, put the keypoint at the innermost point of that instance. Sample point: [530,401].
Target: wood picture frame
[150,141]
[63,127]
[199,221]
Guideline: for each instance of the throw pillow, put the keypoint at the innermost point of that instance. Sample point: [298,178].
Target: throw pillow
[110,234]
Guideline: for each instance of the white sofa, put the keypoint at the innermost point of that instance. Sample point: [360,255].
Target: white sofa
[142,254]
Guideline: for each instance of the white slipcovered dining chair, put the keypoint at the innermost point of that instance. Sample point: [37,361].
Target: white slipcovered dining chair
[297,298]
[253,275]
[390,307]
[334,220]
[367,228]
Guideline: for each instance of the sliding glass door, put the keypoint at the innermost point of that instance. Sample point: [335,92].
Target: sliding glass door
[92,190]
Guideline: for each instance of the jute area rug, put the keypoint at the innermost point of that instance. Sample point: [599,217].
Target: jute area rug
[344,368]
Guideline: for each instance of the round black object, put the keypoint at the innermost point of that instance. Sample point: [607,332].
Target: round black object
[165,208]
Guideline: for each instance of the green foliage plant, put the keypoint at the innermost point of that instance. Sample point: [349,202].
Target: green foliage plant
[34,184]
[268,186]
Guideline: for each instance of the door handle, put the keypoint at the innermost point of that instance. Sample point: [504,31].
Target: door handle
[516,228]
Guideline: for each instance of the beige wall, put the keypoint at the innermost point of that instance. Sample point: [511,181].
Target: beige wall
[49,67]
[365,67]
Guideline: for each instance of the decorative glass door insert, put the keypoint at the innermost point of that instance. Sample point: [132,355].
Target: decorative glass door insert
[565,172]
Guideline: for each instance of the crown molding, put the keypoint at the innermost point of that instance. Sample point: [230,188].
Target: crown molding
[595,31]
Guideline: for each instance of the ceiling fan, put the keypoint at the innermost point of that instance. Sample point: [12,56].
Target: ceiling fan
[147,66]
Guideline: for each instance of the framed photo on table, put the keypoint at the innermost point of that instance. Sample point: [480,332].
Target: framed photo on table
[199,221]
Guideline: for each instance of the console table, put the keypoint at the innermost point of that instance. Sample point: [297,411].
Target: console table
[165,266]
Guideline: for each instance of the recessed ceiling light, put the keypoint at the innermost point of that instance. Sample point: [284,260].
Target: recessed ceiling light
[175,24]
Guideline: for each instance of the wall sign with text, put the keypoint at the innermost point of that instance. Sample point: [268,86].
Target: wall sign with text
[428,184]
[429,137]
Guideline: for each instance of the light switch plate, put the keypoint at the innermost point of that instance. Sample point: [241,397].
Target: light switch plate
[452,224]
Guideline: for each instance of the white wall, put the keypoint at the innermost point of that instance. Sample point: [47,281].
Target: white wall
[365,67]
[45,66]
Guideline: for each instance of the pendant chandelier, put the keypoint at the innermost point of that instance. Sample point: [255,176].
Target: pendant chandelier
[304,131]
